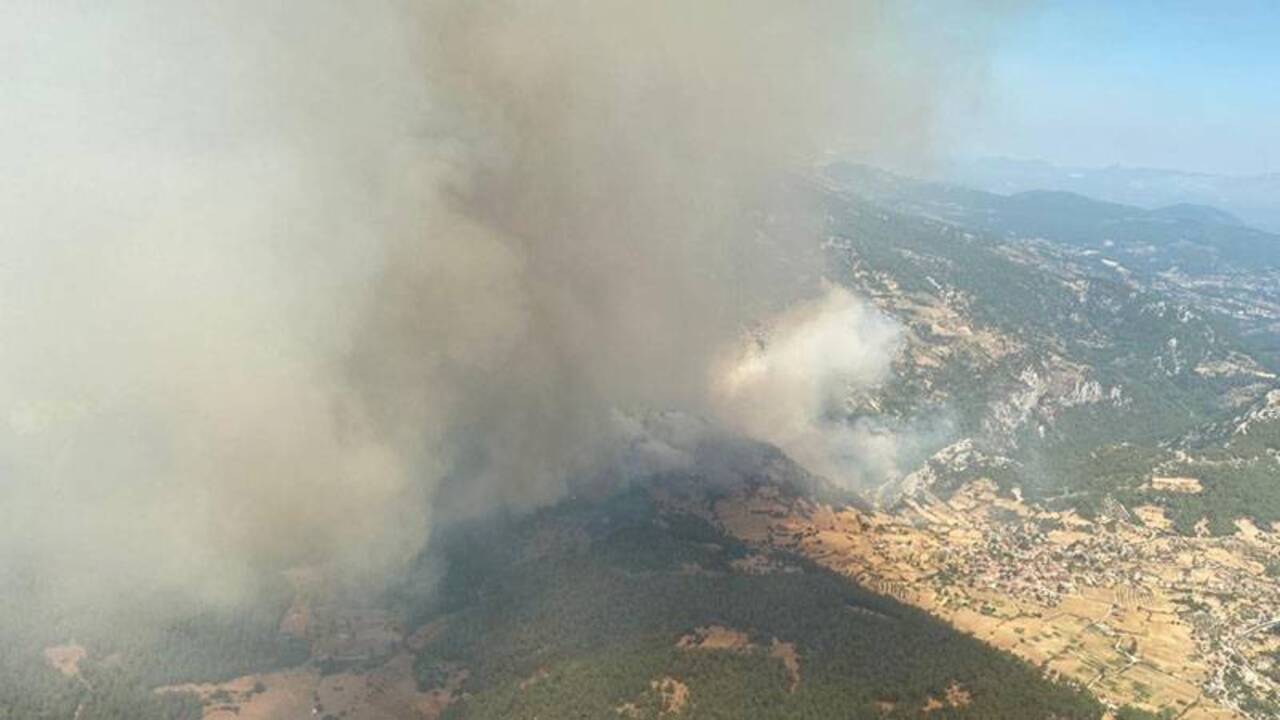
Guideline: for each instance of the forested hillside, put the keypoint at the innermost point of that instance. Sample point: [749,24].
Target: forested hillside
[111,664]
[1074,354]
[581,612]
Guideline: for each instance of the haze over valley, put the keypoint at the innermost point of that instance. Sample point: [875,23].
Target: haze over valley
[438,359]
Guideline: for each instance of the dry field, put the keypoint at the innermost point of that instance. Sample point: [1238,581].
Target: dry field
[65,658]
[1133,612]
[717,637]
[387,693]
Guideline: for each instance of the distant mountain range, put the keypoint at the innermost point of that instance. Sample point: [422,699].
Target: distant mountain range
[1076,344]
[1255,199]
[1179,237]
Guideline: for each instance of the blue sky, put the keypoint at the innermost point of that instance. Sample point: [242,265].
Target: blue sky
[1176,84]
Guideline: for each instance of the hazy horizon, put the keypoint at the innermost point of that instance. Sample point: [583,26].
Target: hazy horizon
[1183,85]
[1094,167]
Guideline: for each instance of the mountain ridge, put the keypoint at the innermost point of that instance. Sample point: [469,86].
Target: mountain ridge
[1252,197]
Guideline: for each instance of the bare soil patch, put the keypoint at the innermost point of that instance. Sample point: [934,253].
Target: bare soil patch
[66,658]
[675,695]
[718,637]
[715,637]
[386,693]
[1187,485]
[786,652]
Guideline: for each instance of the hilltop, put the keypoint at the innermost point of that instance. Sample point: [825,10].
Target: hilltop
[1073,372]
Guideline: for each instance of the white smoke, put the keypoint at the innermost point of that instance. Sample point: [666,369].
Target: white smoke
[280,283]
[791,387]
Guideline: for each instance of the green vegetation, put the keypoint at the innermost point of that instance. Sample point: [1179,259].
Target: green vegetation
[576,611]
[1241,489]
[151,644]
[1195,239]
[1251,703]
[585,630]
[901,238]
[1128,712]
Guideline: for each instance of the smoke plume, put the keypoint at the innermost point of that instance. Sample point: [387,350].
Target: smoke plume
[286,283]
[793,382]
[790,386]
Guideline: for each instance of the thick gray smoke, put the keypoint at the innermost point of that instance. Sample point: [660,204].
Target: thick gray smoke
[283,282]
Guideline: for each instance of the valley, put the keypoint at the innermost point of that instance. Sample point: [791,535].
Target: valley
[1084,523]
[1133,612]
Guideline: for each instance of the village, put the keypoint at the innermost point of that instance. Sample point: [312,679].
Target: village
[1118,604]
